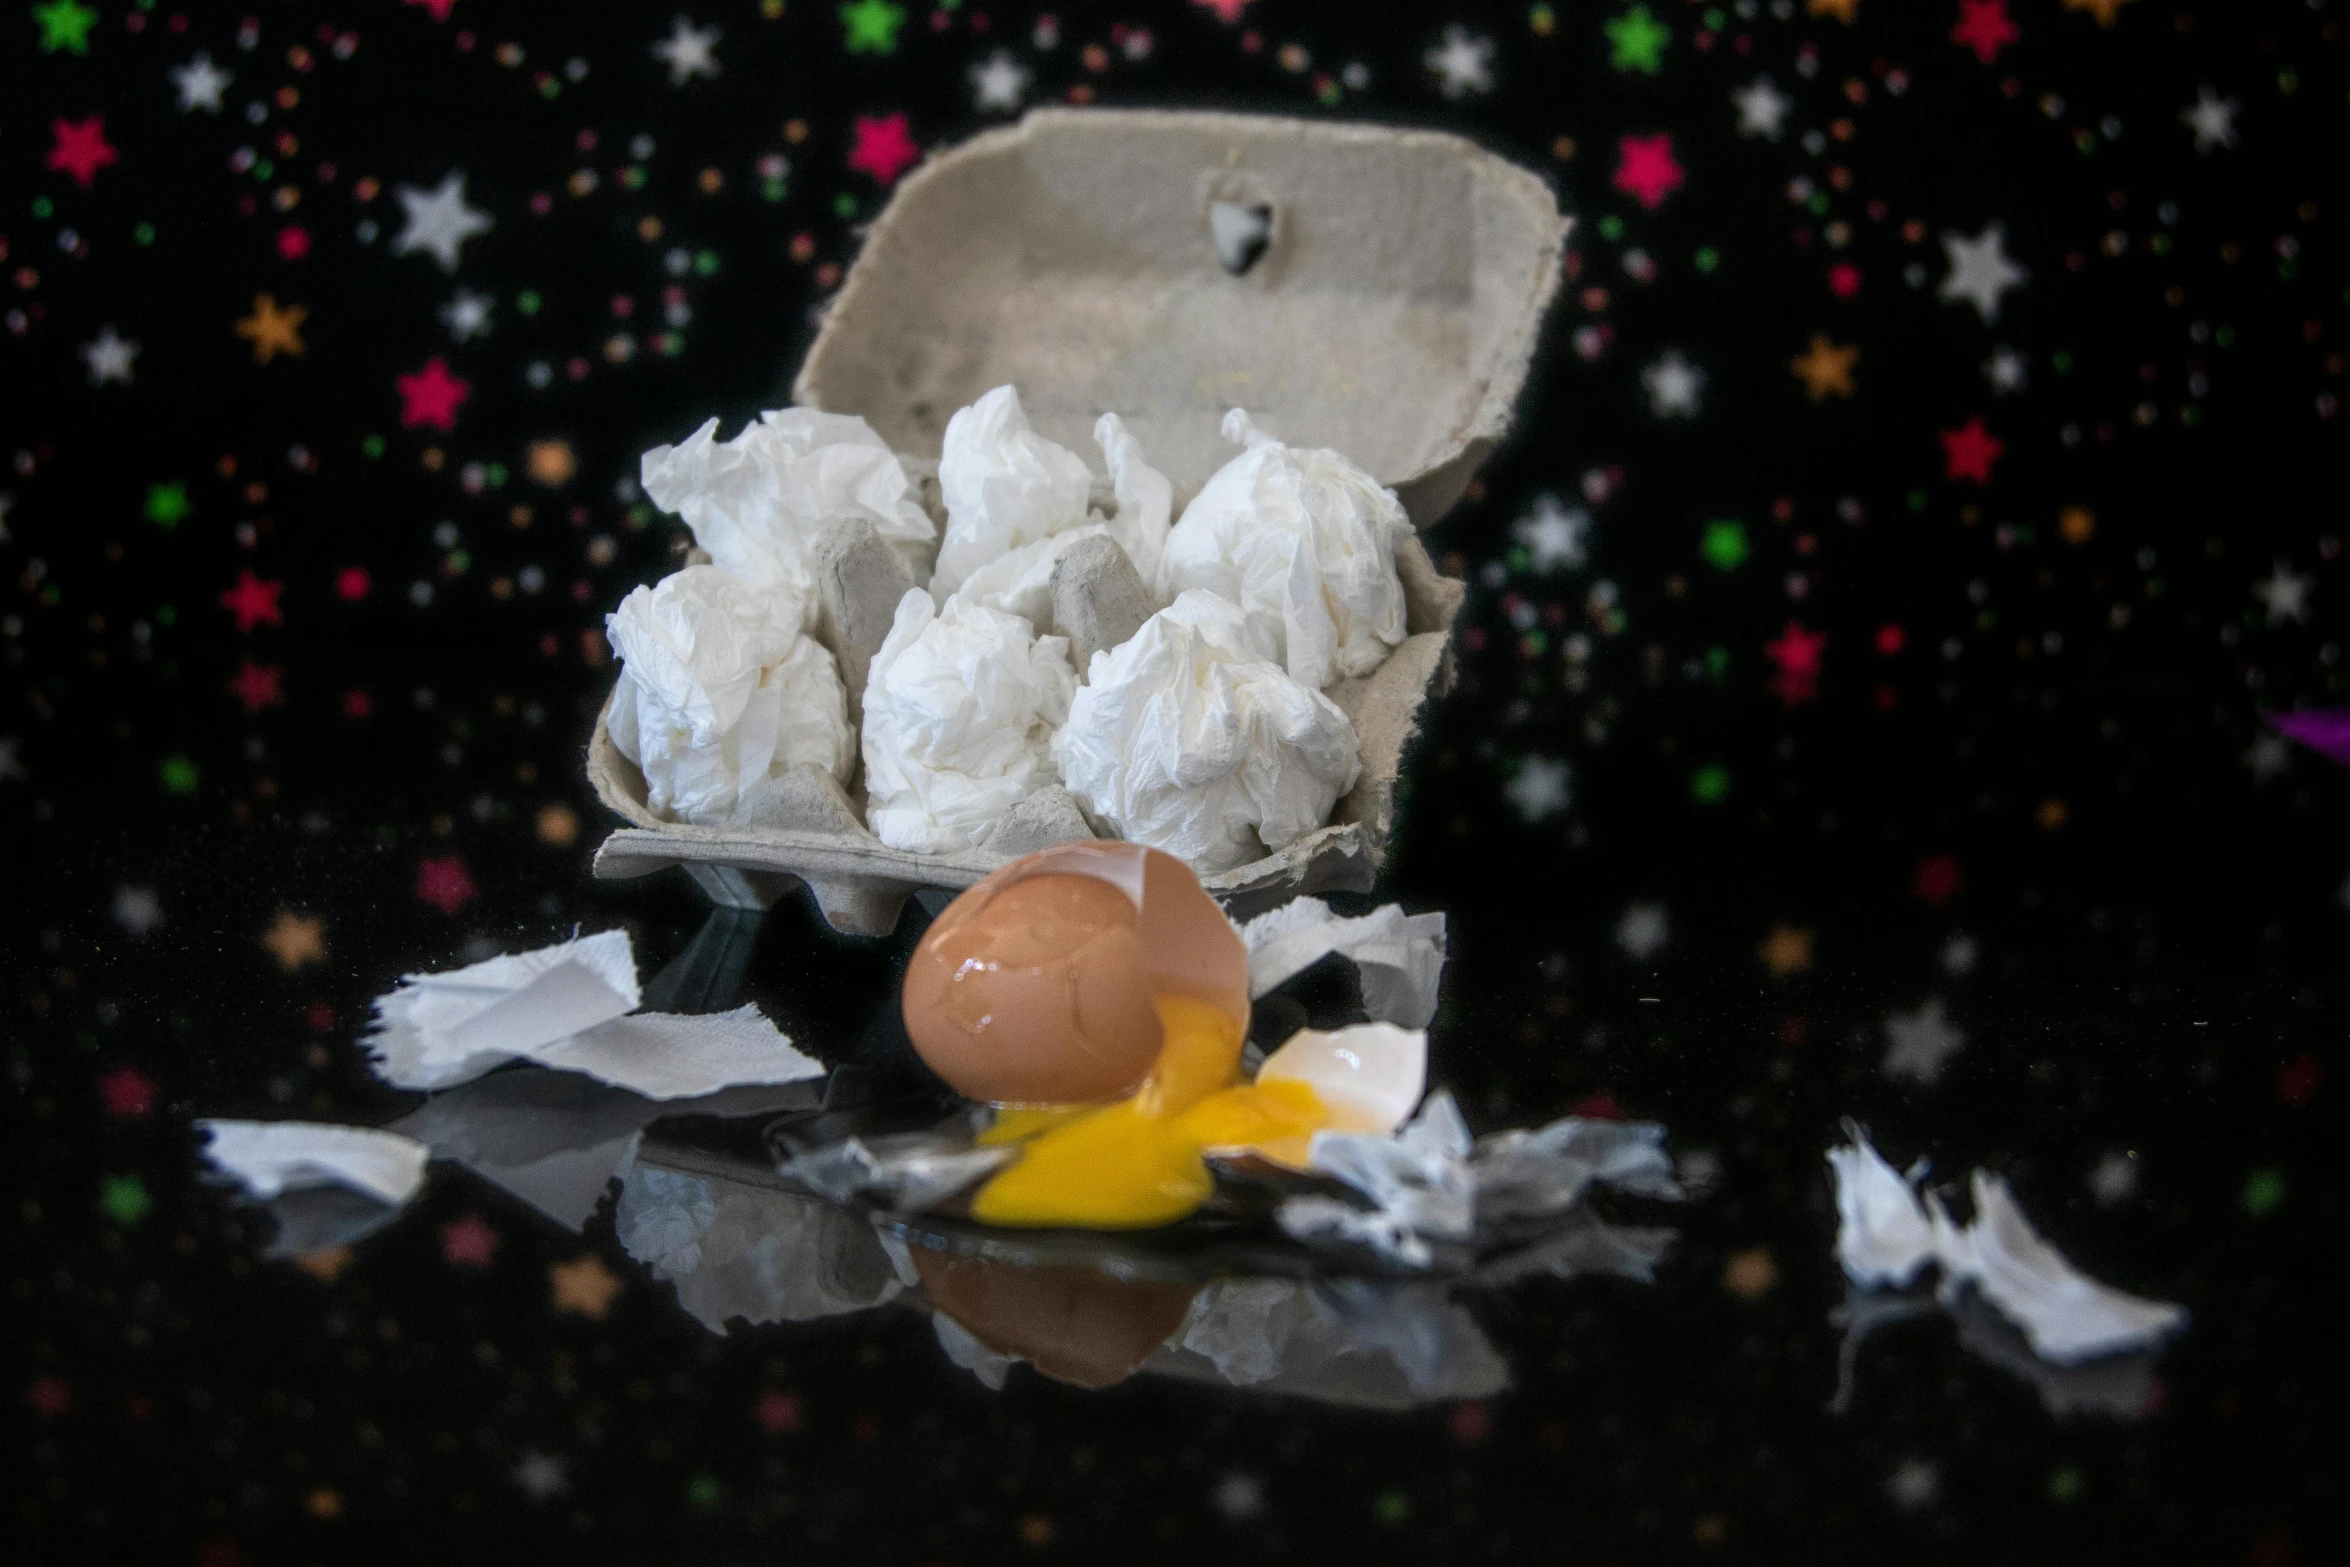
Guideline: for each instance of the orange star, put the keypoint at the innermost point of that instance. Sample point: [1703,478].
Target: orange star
[295,939]
[558,825]
[325,1266]
[274,330]
[584,1285]
[1825,369]
[1787,950]
[1751,1274]
[1845,11]
[2107,12]
[551,462]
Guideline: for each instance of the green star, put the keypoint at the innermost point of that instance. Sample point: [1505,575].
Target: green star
[1710,785]
[65,24]
[1639,41]
[124,1199]
[167,504]
[1724,544]
[873,26]
[179,775]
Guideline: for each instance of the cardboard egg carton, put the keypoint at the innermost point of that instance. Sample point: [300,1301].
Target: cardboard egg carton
[1373,290]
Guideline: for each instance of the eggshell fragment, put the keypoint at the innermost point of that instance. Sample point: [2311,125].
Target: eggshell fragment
[1368,1076]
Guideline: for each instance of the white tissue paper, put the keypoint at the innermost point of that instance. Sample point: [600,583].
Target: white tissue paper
[1400,956]
[1887,1234]
[1418,1181]
[1882,1235]
[720,695]
[1020,581]
[960,711]
[1304,542]
[567,1007]
[1524,1174]
[1005,486]
[758,502]
[1184,738]
[270,1158]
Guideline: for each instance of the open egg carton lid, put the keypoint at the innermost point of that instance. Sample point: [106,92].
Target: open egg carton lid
[1374,290]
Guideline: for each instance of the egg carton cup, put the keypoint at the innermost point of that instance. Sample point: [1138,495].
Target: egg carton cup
[1374,290]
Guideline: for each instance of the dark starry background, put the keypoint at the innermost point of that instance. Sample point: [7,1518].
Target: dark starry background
[2023,776]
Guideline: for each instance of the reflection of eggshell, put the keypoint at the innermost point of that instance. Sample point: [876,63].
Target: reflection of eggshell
[1368,1076]
[1038,985]
[1075,1325]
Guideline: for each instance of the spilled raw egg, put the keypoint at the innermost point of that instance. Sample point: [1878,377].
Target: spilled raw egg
[1096,994]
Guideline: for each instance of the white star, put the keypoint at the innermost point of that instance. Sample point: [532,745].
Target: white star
[2268,756]
[2212,119]
[1541,788]
[1643,930]
[438,220]
[2115,1178]
[1913,1485]
[1239,1497]
[999,82]
[109,356]
[2285,593]
[2005,370]
[1673,384]
[1980,270]
[541,1475]
[1959,954]
[200,83]
[688,51]
[1762,108]
[1919,1042]
[137,909]
[467,314]
[1553,534]
[10,765]
[1463,63]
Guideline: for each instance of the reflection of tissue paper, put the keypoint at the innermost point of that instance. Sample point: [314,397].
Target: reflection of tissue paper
[959,712]
[1882,1236]
[1886,1235]
[1304,542]
[1004,486]
[1354,1341]
[756,503]
[1418,1182]
[1186,740]
[720,695]
[1581,1243]
[1401,955]
[566,1007]
[736,1250]
[270,1158]
[911,1173]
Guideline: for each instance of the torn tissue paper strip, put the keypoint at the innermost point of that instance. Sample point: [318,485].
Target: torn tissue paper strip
[1886,1234]
[1418,1182]
[567,1007]
[757,503]
[720,695]
[910,1173]
[1401,956]
[1882,1235]
[1005,486]
[1188,739]
[960,710]
[271,1158]
[1304,542]
[1536,1174]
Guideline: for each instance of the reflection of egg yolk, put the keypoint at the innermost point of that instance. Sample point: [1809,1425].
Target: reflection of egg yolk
[1138,1162]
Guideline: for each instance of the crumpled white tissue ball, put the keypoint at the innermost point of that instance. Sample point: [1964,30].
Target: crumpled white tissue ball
[1020,581]
[758,502]
[720,694]
[1004,485]
[1304,542]
[959,715]
[1187,739]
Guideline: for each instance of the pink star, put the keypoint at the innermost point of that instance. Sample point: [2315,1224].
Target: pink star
[352,584]
[780,1412]
[127,1091]
[1227,11]
[258,686]
[1969,451]
[293,242]
[431,396]
[468,1242]
[1985,27]
[885,147]
[253,601]
[1647,172]
[1797,653]
[82,149]
[444,883]
[438,8]
[49,1397]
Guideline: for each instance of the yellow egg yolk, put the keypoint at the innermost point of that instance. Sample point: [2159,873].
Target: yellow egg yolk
[1137,1162]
